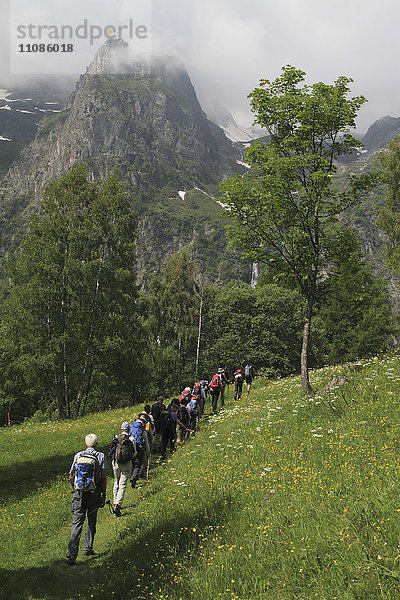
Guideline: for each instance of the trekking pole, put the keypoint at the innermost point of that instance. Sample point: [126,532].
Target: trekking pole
[147,469]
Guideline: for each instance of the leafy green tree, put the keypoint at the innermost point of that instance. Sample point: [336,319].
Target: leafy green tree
[173,321]
[355,312]
[261,326]
[73,293]
[284,207]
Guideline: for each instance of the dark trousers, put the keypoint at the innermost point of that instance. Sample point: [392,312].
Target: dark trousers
[193,422]
[203,400]
[83,504]
[238,389]
[222,395]
[167,437]
[214,401]
[137,465]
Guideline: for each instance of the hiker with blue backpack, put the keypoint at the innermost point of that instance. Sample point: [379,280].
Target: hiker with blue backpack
[88,479]
[138,434]
[122,452]
[194,413]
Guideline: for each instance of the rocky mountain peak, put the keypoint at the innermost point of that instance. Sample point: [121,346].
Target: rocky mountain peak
[114,58]
[381,132]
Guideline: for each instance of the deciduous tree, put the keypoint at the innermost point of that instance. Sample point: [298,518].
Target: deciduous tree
[284,207]
[73,292]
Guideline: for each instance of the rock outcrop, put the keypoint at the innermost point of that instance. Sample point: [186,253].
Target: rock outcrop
[146,121]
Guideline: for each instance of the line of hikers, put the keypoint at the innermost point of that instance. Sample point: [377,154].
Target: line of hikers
[154,429]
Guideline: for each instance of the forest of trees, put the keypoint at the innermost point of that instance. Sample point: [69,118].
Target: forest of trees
[77,334]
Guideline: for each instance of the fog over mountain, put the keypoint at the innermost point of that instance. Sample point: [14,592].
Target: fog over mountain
[228,46]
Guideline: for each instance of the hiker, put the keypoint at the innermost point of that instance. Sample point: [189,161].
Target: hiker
[196,393]
[144,471]
[239,378]
[139,435]
[186,394]
[169,420]
[122,451]
[194,413]
[174,401]
[215,388]
[88,479]
[203,393]
[249,374]
[224,381]
[147,410]
[156,411]
[183,422]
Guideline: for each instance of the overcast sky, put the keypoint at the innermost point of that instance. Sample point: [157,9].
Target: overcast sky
[228,45]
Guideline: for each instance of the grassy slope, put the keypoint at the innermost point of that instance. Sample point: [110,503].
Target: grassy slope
[275,498]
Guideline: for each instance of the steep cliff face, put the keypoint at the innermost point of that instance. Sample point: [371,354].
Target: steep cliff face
[381,132]
[146,121]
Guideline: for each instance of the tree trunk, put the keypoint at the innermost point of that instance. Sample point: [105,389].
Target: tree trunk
[87,388]
[199,336]
[305,381]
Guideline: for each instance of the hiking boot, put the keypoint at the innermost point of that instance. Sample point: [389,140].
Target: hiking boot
[89,552]
[133,484]
[117,510]
[70,560]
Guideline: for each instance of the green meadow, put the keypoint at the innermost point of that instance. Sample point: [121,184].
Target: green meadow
[279,496]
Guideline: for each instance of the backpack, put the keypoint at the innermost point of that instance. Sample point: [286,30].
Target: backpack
[239,376]
[247,371]
[185,395]
[194,409]
[197,389]
[137,433]
[166,421]
[86,472]
[124,450]
[156,410]
[112,447]
[216,381]
[183,415]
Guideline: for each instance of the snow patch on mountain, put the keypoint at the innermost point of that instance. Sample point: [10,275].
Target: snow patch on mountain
[4,94]
[240,162]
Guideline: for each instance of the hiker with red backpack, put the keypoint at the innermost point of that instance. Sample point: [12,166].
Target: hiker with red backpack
[239,379]
[122,452]
[88,479]
[186,394]
[196,394]
[215,389]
